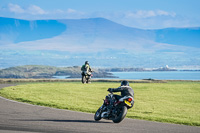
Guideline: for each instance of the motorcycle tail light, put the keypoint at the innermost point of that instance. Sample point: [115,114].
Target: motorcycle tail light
[130,99]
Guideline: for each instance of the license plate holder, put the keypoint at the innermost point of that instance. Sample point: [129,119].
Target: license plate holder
[128,103]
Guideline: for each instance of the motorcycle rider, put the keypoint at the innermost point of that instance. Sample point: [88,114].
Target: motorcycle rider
[125,90]
[86,72]
[86,68]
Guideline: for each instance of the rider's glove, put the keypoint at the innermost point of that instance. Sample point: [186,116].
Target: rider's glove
[110,90]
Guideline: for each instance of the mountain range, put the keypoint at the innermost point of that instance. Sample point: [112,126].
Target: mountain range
[69,42]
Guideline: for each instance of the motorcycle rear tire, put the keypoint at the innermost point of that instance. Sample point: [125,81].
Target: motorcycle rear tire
[88,80]
[97,115]
[121,116]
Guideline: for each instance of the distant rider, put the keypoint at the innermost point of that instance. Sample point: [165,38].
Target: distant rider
[86,68]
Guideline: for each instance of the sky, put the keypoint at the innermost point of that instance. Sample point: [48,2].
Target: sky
[144,14]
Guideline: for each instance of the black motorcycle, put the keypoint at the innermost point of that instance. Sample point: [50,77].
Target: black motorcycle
[86,77]
[113,109]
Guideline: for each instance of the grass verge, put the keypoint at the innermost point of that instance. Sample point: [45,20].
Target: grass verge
[173,102]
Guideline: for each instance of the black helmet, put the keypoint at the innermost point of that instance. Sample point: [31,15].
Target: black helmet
[124,83]
[86,62]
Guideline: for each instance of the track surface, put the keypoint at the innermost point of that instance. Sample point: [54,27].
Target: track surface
[18,117]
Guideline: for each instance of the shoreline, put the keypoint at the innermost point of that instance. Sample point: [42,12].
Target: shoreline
[4,80]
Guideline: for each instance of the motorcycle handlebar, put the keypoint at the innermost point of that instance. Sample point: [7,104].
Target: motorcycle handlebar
[110,91]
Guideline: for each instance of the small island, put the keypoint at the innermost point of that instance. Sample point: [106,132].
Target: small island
[38,71]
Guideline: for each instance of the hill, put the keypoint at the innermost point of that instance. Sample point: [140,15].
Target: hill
[36,71]
[103,42]
[16,30]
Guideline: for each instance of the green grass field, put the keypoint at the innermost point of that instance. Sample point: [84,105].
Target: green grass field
[173,102]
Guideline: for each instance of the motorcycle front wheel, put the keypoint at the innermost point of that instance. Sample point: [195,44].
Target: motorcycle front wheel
[83,79]
[120,115]
[97,115]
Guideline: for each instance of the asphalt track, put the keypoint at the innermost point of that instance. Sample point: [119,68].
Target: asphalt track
[16,117]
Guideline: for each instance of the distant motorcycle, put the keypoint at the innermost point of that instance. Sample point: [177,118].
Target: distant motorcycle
[113,109]
[86,77]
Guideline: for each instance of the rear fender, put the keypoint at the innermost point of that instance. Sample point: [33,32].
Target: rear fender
[127,103]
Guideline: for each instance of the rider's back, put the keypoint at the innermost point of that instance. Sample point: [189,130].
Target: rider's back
[125,91]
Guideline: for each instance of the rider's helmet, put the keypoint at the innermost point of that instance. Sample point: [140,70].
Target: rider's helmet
[86,62]
[124,83]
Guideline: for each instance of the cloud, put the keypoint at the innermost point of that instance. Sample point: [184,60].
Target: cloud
[144,19]
[15,8]
[36,12]
[71,10]
[164,13]
[149,19]
[148,14]
[32,9]
[58,11]
[65,14]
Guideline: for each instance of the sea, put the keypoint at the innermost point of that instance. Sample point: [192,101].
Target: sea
[159,75]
